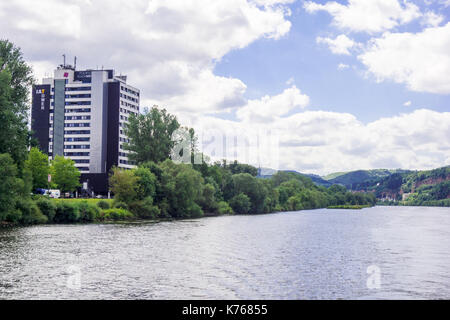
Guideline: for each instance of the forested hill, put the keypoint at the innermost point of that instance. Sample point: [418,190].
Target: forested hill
[318,180]
[431,187]
[354,179]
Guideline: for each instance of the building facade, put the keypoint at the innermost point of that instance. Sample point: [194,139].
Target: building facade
[82,114]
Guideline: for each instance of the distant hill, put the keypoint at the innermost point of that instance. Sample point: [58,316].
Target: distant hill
[333,175]
[420,188]
[406,187]
[318,180]
[354,179]
[267,173]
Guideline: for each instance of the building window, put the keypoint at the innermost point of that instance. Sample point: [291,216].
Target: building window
[82,124]
[77,132]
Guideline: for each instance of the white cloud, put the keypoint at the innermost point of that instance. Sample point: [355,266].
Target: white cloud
[322,142]
[367,15]
[432,19]
[272,2]
[342,66]
[269,108]
[50,18]
[167,48]
[290,81]
[340,45]
[407,103]
[421,60]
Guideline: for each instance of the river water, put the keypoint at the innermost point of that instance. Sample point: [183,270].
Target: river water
[375,253]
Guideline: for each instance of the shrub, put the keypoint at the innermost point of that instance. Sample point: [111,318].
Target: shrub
[9,188]
[120,205]
[240,204]
[31,213]
[116,214]
[47,207]
[88,212]
[145,209]
[124,184]
[194,211]
[224,208]
[102,204]
[66,212]
[14,216]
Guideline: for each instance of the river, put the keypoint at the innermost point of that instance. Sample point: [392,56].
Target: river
[374,253]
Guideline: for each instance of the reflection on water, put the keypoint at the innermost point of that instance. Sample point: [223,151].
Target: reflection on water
[319,254]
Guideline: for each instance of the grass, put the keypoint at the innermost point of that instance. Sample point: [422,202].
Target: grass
[348,206]
[91,201]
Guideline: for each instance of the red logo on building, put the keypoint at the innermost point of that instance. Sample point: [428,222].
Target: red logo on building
[66,74]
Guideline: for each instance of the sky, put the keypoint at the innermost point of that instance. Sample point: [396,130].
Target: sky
[334,85]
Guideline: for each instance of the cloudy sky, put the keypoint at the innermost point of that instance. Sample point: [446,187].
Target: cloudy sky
[345,85]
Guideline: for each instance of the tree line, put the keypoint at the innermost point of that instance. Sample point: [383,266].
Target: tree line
[161,188]
[157,188]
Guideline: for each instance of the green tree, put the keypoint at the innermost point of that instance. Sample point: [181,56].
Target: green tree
[15,81]
[146,182]
[65,175]
[253,188]
[208,200]
[10,186]
[183,189]
[236,168]
[224,208]
[240,204]
[37,163]
[124,185]
[150,135]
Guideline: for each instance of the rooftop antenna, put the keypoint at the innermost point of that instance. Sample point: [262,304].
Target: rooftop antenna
[64,56]
[75,63]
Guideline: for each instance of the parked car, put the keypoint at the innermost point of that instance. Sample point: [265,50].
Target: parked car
[54,193]
[41,191]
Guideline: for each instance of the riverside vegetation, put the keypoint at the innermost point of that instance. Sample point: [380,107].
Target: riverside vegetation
[158,188]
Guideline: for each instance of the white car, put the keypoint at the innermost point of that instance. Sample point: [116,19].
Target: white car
[54,193]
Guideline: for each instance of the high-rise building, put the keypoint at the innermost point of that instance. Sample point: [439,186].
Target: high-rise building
[81,114]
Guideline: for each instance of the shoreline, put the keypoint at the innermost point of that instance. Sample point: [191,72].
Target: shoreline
[4,225]
[8,225]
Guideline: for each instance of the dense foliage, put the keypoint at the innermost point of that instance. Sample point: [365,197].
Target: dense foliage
[150,135]
[187,191]
[16,205]
[64,174]
[15,83]
[357,180]
[418,188]
[38,165]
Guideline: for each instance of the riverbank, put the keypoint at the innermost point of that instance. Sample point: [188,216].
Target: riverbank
[350,207]
[106,211]
[406,203]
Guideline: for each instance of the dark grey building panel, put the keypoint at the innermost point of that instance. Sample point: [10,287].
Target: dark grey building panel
[58,118]
[113,125]
[40,114]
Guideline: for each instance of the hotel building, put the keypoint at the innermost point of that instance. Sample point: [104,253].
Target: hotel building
[82,114]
